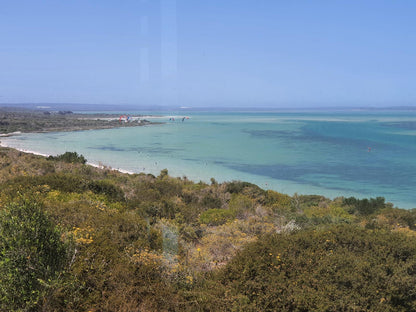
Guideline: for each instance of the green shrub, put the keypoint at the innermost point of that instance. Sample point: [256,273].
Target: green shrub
[57,181]
[69,183]
[397,217]
[69,157]
[241,205]
[113,192]
[332,269]
[163,173]
[210,201]
[364,206]
[168,186]
[275,198]
[31,256]
[216,216]
[239,186]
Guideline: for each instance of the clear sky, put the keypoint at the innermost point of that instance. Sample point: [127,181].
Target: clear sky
[209,53]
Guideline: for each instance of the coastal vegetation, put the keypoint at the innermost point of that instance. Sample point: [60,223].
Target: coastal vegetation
[26,120]
[69,157]
[78,238]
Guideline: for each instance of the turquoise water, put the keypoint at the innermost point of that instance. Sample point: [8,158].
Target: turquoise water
[364,154]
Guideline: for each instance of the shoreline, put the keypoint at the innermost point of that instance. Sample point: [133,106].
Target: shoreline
[397,204]
[32,121]
[150,164]
[23,150]
[47,155]
[115,121]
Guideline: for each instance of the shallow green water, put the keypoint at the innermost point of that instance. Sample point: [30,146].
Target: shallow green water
[363,154]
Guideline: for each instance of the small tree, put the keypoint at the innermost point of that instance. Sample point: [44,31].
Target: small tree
[163,173]
[31,256]
[69,157]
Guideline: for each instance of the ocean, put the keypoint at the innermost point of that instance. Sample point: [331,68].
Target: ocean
[331,153]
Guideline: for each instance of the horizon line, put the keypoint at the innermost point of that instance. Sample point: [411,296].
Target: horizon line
[45,105]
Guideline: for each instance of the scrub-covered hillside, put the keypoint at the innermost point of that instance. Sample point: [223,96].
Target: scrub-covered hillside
[78,238]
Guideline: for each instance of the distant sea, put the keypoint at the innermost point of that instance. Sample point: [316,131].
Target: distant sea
[332,153]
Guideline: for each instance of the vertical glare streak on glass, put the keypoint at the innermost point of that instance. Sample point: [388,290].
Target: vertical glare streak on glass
[169,51]
[144,44]
[144,64]
[169,38]
[150,41]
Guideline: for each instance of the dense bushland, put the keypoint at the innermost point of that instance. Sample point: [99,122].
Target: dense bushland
[69,157]
[336,268]
[144,243]
[32,256]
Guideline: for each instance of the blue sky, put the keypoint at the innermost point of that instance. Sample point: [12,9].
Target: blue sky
[209,53]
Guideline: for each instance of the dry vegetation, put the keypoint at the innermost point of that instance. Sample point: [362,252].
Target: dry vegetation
[143,243]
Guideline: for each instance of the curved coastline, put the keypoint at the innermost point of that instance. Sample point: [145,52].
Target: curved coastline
[100,165]
[47,155]
[163,147]
[71,123]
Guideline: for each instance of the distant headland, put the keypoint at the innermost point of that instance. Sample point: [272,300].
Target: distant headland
[18,119]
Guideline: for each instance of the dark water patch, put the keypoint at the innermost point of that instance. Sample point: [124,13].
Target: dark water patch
[158,150]
[111,148]
[220,162]
[191,159]
[219,124]
[336,138]
[140,150]
[271,134]
[51,137]
[339,133]
[225,162]
[405,125]
[354,136]
[332,174]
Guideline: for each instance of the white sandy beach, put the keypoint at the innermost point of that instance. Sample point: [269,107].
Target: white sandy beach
[100,166]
